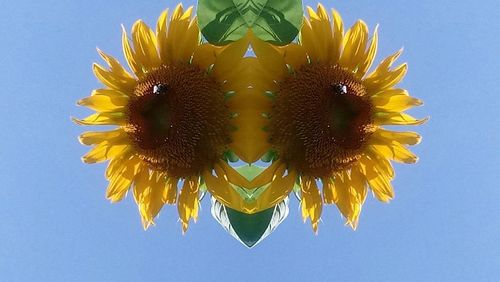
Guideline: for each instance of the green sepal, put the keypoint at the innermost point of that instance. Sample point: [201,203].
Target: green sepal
[230,156]
[229,94]
[269,156]
[203,185]
[270,94]
[296,186]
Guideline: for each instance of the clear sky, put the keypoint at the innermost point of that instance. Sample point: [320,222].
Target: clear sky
[444,224]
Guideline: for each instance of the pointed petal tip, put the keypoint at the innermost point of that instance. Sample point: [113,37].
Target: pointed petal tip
[184,228]
[88,160]
[78,121]
[315,228]
[80,140]
[424,120]
[399,52]
[81,102]
[419,139]
[413,160]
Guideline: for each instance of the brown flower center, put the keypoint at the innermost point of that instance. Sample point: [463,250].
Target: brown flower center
[321,120]
[177,120]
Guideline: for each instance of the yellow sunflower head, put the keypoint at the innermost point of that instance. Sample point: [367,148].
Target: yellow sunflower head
[172,119]
[328,113]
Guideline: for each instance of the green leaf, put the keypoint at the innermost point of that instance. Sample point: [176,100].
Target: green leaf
[250,229]
[220,22]
[279,21]
[275,21]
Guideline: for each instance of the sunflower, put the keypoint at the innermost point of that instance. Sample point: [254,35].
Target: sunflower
[173,126]
[327,116]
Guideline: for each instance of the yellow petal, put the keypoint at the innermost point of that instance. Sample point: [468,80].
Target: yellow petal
[178,32]
[142,191]
[117,188]
[369,56]
[279,189]
[231,174]
[102,152]
[223,192]
[397,119]
[168,50]
[112,93]
[116,136]
[277,168]
[103,103]
[141,184]
[188,204]
[395,151]
[338,37]
[178,12]
[190,41]
[144,40]
[187,13]
[113,80]
[379,162]
[132,59]
[388,93]
[161,37]
[382,136]
[354,46]
[386,64]
[358,183]
[157,200]
[204,55]
[322,32]
[102,119]
[117,165]
[383,77]
[310,201]
[294,55]
[328,191]
[342,197]
[308,40]
[170,192]
[379,182]
[230,57]
[269,57]
[117,77]
[120,182]
[396,103]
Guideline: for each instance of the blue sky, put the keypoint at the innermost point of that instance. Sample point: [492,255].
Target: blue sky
[444,224]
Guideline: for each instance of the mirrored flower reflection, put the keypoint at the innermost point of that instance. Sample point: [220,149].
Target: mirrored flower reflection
[328,116]
[172,122]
